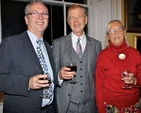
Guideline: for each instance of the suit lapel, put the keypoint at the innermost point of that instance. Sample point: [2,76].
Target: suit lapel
[68,45]
[30,50]
[89,47]
[29,47]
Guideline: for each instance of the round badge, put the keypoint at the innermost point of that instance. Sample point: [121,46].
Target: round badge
[122,56]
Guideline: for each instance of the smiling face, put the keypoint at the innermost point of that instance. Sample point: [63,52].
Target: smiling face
[77,20]
[116,33]
[37,25]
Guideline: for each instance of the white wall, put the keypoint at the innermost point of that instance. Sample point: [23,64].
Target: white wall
[103,11]
[101,16]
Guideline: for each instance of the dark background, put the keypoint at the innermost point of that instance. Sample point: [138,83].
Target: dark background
[12,16]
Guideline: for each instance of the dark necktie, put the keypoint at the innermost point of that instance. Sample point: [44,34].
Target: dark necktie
[79,48]
[45,101]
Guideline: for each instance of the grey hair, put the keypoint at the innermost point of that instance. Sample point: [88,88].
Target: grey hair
[108,28]
[27,8]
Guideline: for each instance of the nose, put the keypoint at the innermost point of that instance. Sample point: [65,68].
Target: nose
[75,19]
[40,16]
[115,31]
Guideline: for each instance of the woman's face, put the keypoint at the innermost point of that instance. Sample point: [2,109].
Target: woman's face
[116,33]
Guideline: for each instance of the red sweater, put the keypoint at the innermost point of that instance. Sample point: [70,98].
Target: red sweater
[108,76]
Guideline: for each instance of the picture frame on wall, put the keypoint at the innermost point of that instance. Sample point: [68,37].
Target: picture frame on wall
[132,15]
[137,43]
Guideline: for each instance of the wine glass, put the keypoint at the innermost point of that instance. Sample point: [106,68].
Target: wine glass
[73,67]
[46,94]
[125,74]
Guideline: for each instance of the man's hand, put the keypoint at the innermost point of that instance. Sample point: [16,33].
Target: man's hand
[38,81]
[65,73]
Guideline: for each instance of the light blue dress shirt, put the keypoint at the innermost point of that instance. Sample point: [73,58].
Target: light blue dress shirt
[33,39]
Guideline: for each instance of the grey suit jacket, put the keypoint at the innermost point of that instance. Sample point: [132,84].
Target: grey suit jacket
[62,54]
[19,62]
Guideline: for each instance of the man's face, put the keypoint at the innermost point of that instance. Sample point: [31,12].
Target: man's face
[77,21]
[38,24]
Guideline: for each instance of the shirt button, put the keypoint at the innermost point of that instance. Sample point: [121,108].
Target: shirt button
[69,95]
[80,68]
[80,61]
[81,76]
[81,83]
[81,91]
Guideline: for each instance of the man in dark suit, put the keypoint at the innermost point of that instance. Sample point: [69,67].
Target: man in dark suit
[78,97]
[21,74]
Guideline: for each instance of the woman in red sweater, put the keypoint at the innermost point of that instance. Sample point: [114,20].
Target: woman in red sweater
[114,92]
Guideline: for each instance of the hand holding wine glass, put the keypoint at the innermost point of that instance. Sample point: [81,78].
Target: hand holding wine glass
[45,90]
[73,67]
[126,77]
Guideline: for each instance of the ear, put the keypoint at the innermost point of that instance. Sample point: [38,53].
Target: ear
[68,21]
[86,20]
[26,20]
[107,36]
[124,32]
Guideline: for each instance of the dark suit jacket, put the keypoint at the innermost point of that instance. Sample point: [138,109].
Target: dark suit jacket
[18,62]
[62,48]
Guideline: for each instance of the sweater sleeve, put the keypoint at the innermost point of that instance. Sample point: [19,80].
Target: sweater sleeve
[99,85]
[138,77]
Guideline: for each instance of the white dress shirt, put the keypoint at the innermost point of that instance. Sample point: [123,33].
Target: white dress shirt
[74,39]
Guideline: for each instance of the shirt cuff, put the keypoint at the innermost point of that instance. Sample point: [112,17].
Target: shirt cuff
[59,79]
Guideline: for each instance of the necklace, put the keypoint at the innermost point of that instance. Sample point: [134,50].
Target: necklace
[121,50]
[122,56]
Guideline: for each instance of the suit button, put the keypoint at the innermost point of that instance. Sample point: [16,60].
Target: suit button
[81,91]
[80,68]
[81,83]
[80,61]
[81,76]
[69,95]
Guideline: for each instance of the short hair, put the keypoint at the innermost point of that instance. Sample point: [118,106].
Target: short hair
[109,25]
[75,6]
[27,8]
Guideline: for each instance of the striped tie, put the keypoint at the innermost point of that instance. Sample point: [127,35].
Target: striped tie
[79,48]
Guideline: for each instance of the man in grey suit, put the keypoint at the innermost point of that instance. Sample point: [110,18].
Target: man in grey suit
[21,74]
[78,97]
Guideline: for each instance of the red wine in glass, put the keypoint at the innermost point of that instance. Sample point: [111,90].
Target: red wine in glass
[125,74]
[73,67]
[49,80]
[45,90]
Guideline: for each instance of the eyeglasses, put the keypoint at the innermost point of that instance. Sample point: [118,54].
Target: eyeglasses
[112,31]
[36,15]
[78,17]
